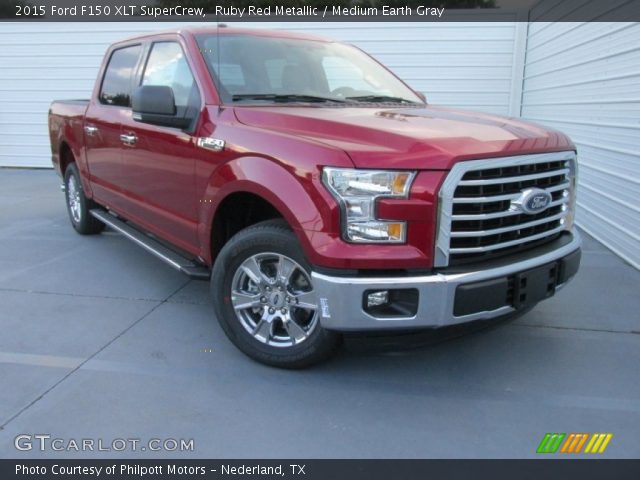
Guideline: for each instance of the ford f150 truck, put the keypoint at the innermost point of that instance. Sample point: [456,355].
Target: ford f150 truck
[317,191]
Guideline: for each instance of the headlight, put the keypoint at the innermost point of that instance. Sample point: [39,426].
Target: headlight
[356,192]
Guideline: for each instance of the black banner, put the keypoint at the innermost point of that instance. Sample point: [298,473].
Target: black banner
[321,10]
[321,469]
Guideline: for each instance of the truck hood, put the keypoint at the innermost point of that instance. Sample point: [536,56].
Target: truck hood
[407,137]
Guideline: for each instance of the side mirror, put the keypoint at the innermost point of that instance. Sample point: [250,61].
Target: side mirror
[155,104]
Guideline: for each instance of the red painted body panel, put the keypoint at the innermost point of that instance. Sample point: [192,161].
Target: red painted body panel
[66,123]
[103,153]
[408,137]
[159,179]
[172,187]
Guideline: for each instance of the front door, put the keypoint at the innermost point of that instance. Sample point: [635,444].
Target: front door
[159,162]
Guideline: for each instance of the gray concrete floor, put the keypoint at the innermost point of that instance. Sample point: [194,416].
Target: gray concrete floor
[100,340]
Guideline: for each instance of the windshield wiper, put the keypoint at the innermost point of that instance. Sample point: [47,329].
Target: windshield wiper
[380,99]
[284,98]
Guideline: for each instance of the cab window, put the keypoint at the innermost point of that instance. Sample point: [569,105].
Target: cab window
[167,66]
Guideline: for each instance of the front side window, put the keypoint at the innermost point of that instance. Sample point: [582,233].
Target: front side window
[167,66]
[116,84]
[253,69]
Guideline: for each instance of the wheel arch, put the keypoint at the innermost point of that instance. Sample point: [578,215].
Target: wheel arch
[237,211]
[66,156]
[275,191]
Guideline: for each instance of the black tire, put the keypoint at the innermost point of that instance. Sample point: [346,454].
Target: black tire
[261,242]
[78,205]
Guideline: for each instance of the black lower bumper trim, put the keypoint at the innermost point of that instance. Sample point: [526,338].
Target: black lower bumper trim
[520,290]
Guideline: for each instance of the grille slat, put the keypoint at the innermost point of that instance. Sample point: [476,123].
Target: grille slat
[506,244]
[495,231]
[510,196]
[520,178]
[481,216]
[508,213]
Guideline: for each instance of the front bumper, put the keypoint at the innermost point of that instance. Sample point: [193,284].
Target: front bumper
[451,296]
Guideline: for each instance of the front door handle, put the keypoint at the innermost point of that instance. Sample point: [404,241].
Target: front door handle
[90,130]
[129,139]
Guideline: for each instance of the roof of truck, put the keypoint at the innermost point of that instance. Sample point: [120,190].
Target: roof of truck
[224,30]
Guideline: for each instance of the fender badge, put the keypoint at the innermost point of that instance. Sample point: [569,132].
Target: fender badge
[209,143]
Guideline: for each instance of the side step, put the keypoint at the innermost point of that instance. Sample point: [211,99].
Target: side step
[177,261]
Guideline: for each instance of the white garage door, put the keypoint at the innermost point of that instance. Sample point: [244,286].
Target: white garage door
[466,65]
[584,79]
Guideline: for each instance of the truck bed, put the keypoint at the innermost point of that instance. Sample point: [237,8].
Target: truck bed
[66,120]
[68,108]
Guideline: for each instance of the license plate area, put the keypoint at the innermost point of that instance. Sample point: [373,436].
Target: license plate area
[532,286]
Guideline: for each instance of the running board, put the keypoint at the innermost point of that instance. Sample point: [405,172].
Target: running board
[174,259]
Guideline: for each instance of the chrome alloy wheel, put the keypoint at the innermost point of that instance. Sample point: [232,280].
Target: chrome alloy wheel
[273,298]
[73,199]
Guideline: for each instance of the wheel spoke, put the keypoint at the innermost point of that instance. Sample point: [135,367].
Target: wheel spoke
[270,304]
[73,196]
[263,330]
[306,300]
[252,268]
[295,331]
[243,300]
[285,268]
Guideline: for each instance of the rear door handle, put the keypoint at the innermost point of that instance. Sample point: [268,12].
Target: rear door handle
[90,130]
[129,139]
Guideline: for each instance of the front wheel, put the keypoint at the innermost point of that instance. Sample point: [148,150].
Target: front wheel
[265,300]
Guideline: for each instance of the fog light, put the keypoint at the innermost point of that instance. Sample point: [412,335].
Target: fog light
[391,303]
[375,299]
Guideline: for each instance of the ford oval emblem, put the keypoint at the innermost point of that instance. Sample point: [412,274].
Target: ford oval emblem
[532,201]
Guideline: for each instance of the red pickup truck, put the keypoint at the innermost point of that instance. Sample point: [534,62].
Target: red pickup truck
[318,192]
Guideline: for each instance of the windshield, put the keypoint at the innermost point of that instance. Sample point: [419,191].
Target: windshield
[257,70]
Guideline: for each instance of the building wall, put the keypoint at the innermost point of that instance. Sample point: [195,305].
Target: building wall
[584,79]
[465,65]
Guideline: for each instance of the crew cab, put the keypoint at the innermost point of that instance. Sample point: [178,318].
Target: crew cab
[316,191]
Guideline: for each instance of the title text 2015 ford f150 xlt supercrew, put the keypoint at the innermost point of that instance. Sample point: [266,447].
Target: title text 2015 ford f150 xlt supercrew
[318,191]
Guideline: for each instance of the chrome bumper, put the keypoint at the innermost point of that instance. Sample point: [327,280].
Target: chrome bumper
[341,298]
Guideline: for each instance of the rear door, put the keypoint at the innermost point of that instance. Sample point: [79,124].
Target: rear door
[159,162]
[103,123]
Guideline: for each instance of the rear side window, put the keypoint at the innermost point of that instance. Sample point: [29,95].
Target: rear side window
[167,66]
[116,85]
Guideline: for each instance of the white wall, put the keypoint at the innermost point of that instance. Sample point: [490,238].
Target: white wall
[465,65]
[41,62]
[584,79]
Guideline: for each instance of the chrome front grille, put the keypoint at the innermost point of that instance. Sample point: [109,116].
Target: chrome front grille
[479,216]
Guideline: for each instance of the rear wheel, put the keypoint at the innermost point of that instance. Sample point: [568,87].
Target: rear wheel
[78,205]
[265,300]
